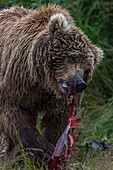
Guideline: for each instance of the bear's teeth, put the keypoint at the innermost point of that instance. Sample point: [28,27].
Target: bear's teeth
[64,85]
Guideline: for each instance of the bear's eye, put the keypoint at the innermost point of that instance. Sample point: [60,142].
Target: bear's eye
[71,60]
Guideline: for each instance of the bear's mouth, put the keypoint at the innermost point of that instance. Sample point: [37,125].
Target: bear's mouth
[65,88]
[69,92]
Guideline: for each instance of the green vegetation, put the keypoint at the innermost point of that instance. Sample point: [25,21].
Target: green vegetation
[95,18]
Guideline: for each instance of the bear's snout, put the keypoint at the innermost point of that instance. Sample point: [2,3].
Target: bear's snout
[74,82]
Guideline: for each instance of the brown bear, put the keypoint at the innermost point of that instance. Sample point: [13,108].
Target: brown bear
[42,55]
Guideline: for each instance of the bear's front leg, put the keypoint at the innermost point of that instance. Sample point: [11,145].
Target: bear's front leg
[55,118]
[19,126]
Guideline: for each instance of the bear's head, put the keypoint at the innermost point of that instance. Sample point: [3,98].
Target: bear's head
[64,57]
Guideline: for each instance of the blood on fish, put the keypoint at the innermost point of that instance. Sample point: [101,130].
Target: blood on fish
[64,147]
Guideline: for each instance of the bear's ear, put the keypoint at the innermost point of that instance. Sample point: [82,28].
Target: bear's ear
[98,56]
[58,21]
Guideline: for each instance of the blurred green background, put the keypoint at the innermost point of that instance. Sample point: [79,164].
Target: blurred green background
[95,18]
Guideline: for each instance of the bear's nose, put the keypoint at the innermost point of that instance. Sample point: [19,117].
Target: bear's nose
[80,85]
[76,83]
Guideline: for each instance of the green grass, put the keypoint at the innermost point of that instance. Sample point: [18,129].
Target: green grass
[89,162]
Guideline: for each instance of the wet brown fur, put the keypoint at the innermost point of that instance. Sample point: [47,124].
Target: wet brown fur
[33,61]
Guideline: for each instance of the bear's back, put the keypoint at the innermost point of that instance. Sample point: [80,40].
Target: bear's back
[8,18]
